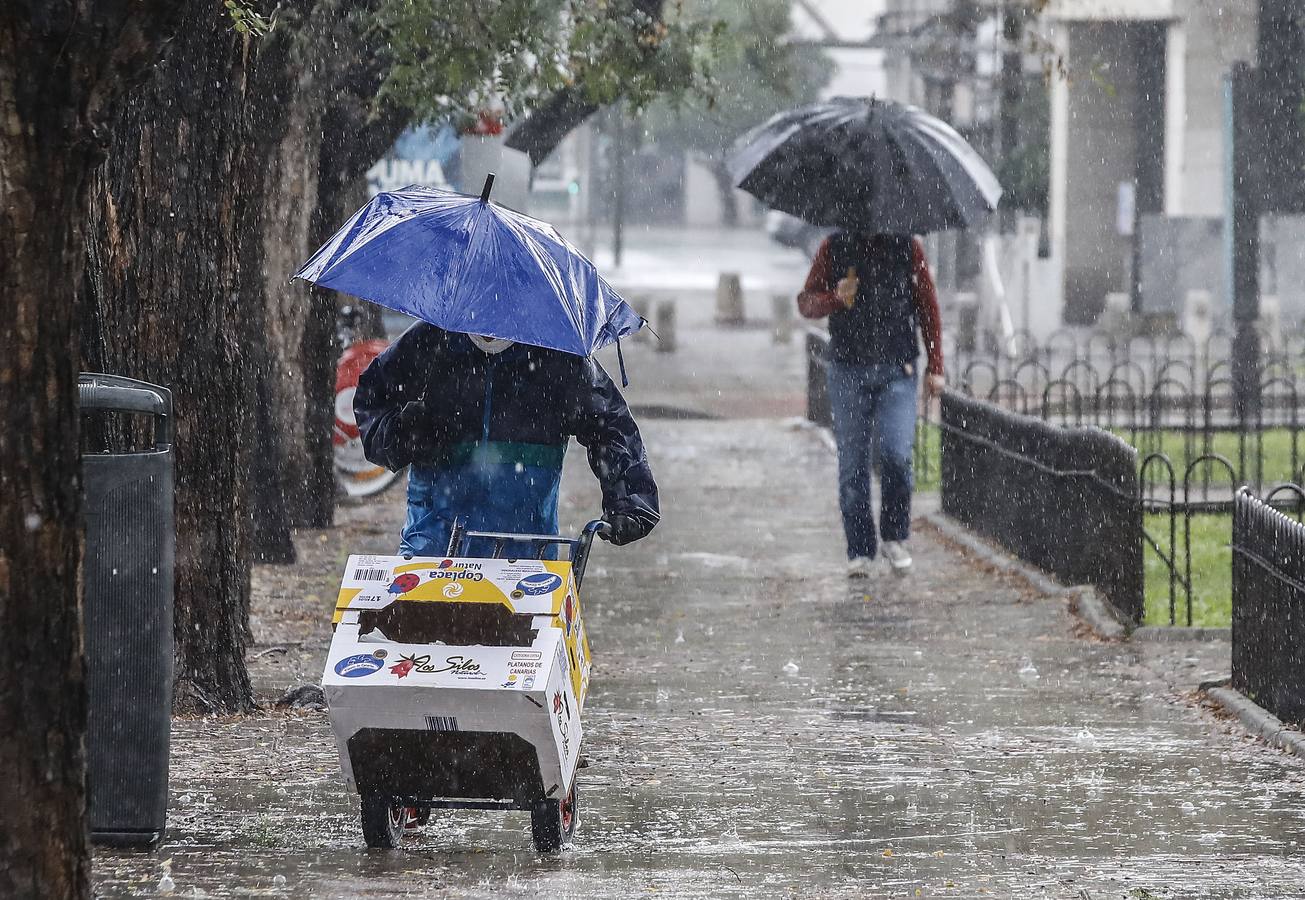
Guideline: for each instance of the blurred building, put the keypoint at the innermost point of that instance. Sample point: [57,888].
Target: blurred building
[1137,146]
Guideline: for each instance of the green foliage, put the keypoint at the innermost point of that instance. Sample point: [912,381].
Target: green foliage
[451,57]
[245,19]
[754,73]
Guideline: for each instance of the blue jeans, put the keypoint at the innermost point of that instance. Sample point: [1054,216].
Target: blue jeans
[874,418]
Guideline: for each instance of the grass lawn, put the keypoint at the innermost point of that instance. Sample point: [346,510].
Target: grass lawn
[1276,445]
[928,447]
[1211,571]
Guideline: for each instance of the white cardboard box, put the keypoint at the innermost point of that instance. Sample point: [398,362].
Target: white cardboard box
[458,679]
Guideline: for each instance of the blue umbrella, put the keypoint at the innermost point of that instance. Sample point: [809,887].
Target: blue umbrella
[465,264]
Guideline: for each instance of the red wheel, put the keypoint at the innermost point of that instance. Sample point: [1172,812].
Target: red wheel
[353,473]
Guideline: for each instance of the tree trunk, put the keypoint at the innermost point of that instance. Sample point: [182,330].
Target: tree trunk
[63,68]
[291,68]
[268,217]
[164,291]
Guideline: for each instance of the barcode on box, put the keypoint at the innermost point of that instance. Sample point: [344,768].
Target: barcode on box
[371,575]
[441,723]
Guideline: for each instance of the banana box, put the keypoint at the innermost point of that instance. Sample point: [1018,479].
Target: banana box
[458,679]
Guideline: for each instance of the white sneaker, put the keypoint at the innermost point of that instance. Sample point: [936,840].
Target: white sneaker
[860,567]
[897,555]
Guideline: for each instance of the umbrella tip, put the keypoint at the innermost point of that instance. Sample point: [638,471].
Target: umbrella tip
[489,186]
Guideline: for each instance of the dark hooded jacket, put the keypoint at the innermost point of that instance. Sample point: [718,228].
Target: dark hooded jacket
[491,449]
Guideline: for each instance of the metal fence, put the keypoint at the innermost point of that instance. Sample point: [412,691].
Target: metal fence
[1268,611]
[1173,399]
[1064,499]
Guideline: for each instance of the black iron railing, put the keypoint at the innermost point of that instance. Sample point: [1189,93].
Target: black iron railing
[1268,604]
[1064,499]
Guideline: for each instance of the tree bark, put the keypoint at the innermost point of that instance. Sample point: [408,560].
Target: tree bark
[63,68]
[164,291]
[290,69]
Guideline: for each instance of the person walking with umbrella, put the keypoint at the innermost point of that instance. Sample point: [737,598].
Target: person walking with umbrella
[876,310]
[480,398]
[879,172]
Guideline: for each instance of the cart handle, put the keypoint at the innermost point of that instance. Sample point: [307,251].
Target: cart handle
[580,546]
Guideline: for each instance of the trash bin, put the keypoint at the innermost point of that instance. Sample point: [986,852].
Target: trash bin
[127,573]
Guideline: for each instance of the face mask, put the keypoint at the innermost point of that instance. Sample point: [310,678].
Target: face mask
[489,344]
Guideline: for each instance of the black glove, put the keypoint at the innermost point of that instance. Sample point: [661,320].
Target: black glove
[623,529]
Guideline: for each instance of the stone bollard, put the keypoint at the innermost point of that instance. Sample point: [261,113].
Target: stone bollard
[665,326]
[782,318]
[729,300]
[643,308]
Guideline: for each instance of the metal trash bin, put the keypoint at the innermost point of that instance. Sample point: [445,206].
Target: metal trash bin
[128,578]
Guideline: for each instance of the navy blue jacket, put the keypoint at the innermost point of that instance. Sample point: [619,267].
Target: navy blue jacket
[493,452]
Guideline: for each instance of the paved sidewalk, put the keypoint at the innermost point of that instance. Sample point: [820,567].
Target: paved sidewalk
[760,728]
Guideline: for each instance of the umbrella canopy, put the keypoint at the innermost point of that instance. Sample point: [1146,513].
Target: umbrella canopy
[465,264]
[866,165]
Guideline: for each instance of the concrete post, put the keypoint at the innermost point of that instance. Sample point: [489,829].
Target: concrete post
[729,300]
[782,317]
[665,326]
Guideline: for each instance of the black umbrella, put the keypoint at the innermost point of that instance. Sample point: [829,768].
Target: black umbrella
[866,165]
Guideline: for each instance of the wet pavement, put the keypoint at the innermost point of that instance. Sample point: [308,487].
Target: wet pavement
[758,727]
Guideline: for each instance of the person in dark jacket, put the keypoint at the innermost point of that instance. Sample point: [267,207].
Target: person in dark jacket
[483,425]
[880,299]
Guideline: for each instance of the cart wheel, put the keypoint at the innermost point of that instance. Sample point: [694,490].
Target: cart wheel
[552,822]
[382,821]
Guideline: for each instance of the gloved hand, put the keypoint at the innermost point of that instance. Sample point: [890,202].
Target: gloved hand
[421,426]
[624,529]
[414,415]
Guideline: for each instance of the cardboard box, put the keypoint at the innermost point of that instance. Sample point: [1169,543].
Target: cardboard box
[458,679]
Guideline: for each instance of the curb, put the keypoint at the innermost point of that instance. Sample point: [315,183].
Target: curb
[1170,634]
[1084,601]
[1258,721]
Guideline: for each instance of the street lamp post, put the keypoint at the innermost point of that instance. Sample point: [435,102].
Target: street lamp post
[1242,239]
